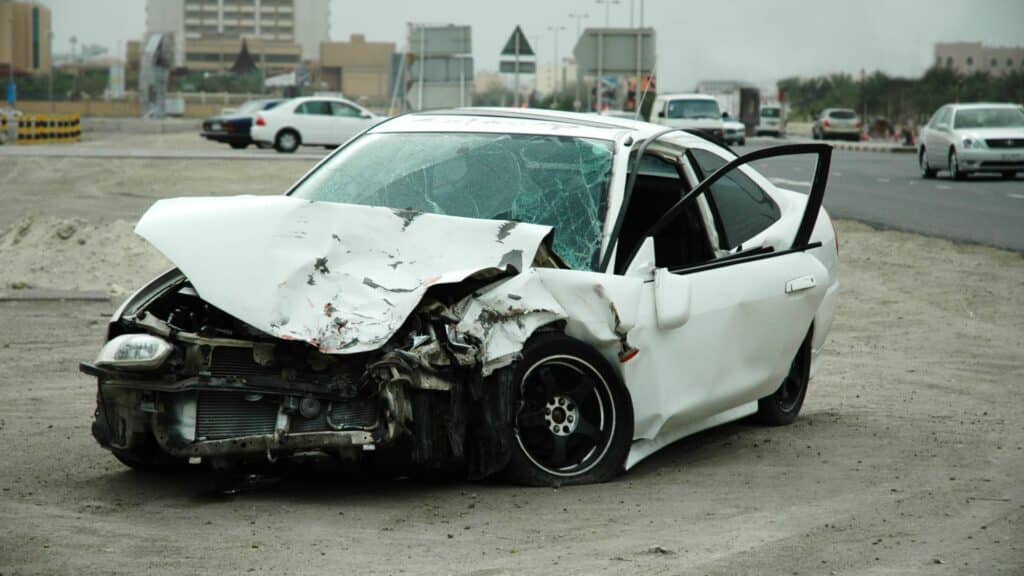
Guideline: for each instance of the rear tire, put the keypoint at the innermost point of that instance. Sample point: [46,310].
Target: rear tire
[783,406]
[573,416]
[927,171]
[287,141]
[239,145]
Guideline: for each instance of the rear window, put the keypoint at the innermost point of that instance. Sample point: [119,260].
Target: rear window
[693,109]
[842,114]
[769,112]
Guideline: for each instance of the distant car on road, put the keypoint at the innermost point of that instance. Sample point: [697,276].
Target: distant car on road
[233,128]
[837,123]
[696,112]
[735,131]
[771,121]
[312,121]
[965,138]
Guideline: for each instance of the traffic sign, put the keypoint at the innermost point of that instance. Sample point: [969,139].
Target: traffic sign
[509,66]
[517,44]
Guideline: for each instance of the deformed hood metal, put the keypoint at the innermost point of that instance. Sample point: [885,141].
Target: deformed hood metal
[341,277]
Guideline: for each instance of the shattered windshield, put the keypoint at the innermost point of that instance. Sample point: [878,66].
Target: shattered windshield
[557,181]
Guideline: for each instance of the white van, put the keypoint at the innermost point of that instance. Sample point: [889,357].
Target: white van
[771,120]
[697,112]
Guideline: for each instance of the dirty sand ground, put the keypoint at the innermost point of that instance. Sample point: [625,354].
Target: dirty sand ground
[907,459]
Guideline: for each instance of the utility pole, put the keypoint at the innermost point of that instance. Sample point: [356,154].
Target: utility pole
[579,80]
[578,18]
[607,10]
[554,56]
[74,67]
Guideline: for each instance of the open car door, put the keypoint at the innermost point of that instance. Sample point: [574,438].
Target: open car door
[718,335]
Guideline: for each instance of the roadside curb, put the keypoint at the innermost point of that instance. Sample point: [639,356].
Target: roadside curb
[870,147]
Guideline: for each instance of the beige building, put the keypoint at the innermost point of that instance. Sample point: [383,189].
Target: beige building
[971,57]
[208,34]
[358,69]
[24,38]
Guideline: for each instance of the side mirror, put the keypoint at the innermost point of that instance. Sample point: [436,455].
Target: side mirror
[366,115]
[661,114]
[671,299]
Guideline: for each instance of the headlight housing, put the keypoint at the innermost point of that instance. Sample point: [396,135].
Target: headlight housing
[134,351]
[974,143]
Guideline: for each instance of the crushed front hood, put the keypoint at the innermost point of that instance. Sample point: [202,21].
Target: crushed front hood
[341,277]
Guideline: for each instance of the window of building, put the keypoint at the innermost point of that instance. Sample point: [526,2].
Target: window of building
[994,63]
[949,61]
[970,61]
[35,38]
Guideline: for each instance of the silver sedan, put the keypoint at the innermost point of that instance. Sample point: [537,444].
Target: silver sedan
[965,138]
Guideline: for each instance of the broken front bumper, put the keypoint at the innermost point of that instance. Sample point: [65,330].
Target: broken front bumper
[208,416]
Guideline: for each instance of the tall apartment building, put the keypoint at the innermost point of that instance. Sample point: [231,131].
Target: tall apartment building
[970,57]
[208,34]
[24,38]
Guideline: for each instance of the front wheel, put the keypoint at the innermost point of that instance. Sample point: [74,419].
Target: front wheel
[239,145]
[574,418]
[783,406]
[954,167]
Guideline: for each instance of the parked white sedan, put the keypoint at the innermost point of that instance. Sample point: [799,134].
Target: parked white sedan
[552,295]
[966,138]
[312,121]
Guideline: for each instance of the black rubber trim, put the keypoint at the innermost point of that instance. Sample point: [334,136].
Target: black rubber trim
[742,258]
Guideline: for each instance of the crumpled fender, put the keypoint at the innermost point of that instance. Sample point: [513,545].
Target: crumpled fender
[341,277]
[599,309]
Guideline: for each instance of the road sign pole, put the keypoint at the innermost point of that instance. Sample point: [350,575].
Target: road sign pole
[515,88]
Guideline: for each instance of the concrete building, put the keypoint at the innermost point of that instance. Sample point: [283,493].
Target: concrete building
[208,34]
[556,78]
[971,57]
[24,38]
[358,69]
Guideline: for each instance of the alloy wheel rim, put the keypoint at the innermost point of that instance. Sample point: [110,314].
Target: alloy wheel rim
[789,392]
[566,418]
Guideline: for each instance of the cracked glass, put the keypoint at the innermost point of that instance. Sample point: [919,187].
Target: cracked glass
[556,181]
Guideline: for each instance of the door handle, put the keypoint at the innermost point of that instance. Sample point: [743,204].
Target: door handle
[801,283]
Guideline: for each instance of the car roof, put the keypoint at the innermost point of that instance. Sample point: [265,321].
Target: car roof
[685,95]
[969,105]
[527,121]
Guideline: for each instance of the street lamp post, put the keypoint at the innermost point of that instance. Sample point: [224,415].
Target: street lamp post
[579,80]
[554,55]
[607,10]
[74,67]
[50,87]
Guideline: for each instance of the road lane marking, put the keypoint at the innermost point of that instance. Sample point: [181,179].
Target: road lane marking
[884,180]
[943,187]
[1017,196]
[788,182]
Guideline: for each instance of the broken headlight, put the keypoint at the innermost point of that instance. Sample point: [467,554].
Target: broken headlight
[134,351]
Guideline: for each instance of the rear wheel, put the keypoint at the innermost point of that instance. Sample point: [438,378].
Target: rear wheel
[287,141]
[239,145]
[574,418]
[783,406]
[922,161]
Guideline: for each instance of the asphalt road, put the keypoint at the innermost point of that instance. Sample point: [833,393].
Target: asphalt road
[886,190]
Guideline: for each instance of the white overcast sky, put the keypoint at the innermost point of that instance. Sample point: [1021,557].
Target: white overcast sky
[756,41]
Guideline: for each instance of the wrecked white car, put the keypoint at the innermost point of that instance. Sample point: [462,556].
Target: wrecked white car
[551,295]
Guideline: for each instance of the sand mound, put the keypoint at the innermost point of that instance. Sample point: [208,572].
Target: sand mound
[74,254]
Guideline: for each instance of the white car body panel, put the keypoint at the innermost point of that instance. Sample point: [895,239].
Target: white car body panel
[939,138]
[345,277]
[313,129]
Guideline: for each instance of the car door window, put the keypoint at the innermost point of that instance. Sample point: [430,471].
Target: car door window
[741,208]
[314,107]
[343,110]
